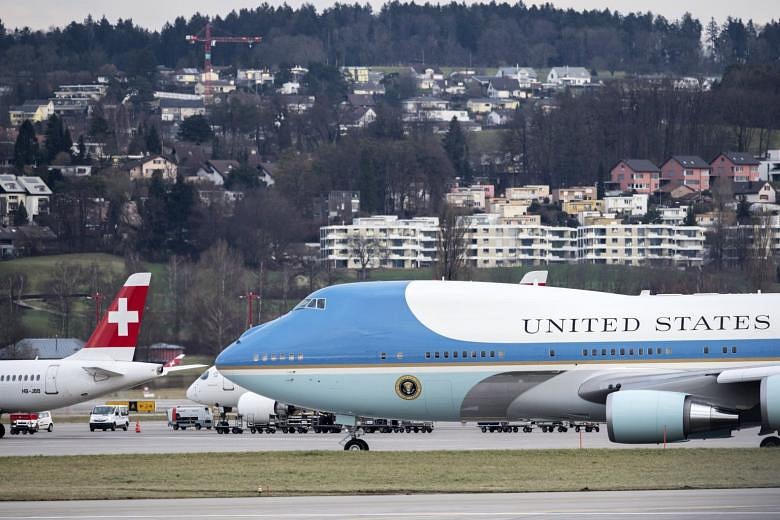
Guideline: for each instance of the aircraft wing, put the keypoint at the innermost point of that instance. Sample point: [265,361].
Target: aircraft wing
[179,368]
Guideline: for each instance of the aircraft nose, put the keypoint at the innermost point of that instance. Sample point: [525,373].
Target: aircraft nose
[192,392]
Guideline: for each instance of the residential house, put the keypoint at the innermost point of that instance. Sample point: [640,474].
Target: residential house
[336,207]
[25,240]
[175,110]
[506,208]
[736,166]
[31,192]
[574,207]
[355,74]
[361,100]
[525,76]
[369,88]
[187,77]
[529,193]
[219,86]
[638,175]
[688,170]
[352,118]
[36,110]
[298,104]
[67,107]
[674,216]
[214,171]
[73,170]
[755,192]
[471,197]
[94,150]
[148,166]
[503,88]
[93,92]
[634,205]
[564,195]
[487,105]
[426,76]
[251,78]
[769,168]
[289,88]
[569,76]
[676,191]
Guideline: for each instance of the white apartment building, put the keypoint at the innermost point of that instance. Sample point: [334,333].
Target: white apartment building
[642,244]
[506,208]
[392,242]
[575,193]
[31,192]
[634,205]
[491,243]
[472,197]
[673,216]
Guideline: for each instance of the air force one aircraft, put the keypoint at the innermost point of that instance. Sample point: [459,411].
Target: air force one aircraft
[654,367]
[104,365]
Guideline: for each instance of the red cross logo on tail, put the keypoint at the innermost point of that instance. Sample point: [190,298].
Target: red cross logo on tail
[120,325]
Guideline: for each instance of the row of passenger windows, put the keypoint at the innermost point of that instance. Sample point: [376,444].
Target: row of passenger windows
[20,377]
[282,356]
[640,351]
[465,354]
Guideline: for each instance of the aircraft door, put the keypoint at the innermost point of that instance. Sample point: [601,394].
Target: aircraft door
[227,384]
[51,379]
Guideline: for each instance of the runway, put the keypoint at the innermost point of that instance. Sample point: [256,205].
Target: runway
[688,504]
[156,437]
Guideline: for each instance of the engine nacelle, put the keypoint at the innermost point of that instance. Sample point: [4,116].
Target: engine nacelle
[770,404]
[650,416]
[256,408]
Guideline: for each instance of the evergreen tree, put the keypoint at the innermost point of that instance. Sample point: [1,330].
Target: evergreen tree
[155,222]
[690,218]
[457,150]
[57,138]
[195,129]
[26,146]
[153,142]
[20,215]
[82,157]
[180,203]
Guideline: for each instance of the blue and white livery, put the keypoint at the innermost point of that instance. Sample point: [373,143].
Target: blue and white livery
[663,367]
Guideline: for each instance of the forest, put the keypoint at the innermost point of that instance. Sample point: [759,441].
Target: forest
[454,34]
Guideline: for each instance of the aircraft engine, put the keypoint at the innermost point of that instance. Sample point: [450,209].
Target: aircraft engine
[256,407]
[649,416]
[770,404]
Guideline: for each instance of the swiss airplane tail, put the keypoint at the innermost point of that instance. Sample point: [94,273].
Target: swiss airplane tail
[116,337]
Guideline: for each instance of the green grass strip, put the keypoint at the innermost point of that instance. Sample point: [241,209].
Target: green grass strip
[346,473]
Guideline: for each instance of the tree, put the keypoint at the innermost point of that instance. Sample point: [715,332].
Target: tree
[20,215]
[153,141]
[57,138]
[690,217]
[366,251]
[218,281]
[82,157]
[26,146]
[457,150]
[195,129]
[451,244]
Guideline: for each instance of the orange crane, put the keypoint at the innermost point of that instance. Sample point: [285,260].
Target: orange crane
[210,41]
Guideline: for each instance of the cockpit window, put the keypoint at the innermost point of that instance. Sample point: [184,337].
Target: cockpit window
[311,303]
[205,375]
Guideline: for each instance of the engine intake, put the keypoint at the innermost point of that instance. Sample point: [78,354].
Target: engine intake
[770,404]
[650,416]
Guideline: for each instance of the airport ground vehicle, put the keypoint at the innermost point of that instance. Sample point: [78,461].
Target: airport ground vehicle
[24,423]
[505,426]
[183,417]
[108,417]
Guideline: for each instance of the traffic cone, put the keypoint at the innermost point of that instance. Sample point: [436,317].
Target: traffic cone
[137,425]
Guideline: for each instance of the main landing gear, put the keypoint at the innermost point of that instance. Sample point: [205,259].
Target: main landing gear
[770,442]
[354,443]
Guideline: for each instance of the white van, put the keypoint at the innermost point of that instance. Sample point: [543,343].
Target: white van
[110,417]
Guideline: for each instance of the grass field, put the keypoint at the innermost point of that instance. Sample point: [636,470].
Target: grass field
[340,473]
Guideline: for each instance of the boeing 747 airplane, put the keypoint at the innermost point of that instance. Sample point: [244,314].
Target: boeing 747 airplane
[655,368]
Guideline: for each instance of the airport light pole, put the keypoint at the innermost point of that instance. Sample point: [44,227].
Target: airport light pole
[251,296]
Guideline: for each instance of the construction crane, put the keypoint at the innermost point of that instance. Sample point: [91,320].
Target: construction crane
[210,41]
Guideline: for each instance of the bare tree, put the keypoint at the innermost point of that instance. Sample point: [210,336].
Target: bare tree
[451,244]
[760,266]
[366,252]
[65,279]
[718,237]
[214,305]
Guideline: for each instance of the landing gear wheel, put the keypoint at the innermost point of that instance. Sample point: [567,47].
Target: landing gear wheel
[356,445]
[771,442]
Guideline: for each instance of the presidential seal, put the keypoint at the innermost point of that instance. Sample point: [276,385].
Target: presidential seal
[408,387]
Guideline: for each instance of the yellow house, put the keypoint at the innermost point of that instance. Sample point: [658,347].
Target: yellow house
[35,110]
[573,207]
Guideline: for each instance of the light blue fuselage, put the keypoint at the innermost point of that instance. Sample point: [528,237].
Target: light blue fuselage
[349,356]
